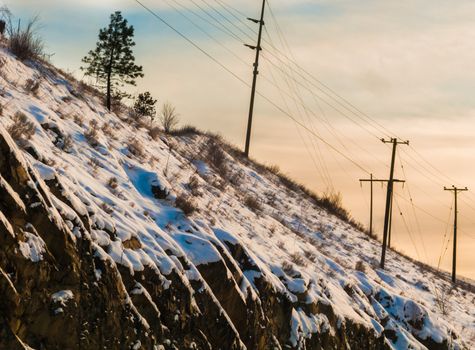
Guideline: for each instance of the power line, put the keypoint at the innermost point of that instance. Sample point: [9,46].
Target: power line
[353,107]
[194,44]
[407,228]
[293,75]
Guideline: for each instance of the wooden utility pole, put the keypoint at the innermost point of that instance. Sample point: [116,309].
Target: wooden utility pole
[390,222]
[455,190]
[371,180]
[258,49]
[389,196]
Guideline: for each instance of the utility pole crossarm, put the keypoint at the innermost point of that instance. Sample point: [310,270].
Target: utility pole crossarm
[455,190]
[395,141]
[371,180]
[380,180]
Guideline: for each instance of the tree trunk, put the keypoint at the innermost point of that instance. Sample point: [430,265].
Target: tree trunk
[109,76]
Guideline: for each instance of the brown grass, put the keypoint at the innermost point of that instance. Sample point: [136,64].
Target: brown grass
[186,204]
[24,42]
[21,129]
[252,203]
[136,148]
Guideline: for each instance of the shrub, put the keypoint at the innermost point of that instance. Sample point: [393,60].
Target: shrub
[252,203]
[236,178]
[32,86]
[168,117]
[144,106]
[215,156]
[155,133]
[332,201]
[136,148]
[107,208]
[66,99]
[297,259]
[94,164]
[108,130]
[113,183]
[24,42]
[194,184]
[274,169]
[78,120]
[360,266]
[91,134]
[184,203]
[67,144]
[442,299]
[310,256]
[185,130]
[21,129]
[288,268]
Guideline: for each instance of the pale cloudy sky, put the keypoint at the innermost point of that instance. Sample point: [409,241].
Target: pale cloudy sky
[407,64]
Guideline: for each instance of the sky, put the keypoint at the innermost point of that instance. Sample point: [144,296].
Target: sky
[407,66]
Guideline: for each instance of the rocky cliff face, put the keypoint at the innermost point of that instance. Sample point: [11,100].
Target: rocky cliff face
[96,251]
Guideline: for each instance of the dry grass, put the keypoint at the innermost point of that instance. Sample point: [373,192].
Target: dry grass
[288,268]
[113,183]
[168,117]
[216,157]
[443,295]
[95,164]
[185,131]
[91,134]
[360,266]
[22,129]
[108,131]
[194,185]
[32,86]
[155,133]
[252,203]
[186,204]
[24,42]
[136,148]
[297,259]
[78,120]
[67,144]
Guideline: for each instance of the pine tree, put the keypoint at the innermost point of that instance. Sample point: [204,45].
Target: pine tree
[112,63]
[144,106]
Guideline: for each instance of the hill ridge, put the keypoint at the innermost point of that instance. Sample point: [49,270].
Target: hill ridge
[183,243]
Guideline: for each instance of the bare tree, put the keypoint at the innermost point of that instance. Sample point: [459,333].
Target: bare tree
[168,117]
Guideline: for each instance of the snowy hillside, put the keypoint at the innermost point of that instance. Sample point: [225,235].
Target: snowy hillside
[205,249]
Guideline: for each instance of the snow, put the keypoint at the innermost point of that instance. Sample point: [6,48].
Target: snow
[33,247]
[62,297]
[289,225]
[46,172]
[198,250]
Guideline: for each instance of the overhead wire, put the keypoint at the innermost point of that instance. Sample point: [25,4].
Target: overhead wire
[354,108]
[300,72]
[266,98]
[442,252]
[407,187]
[407,228]
[296,97]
